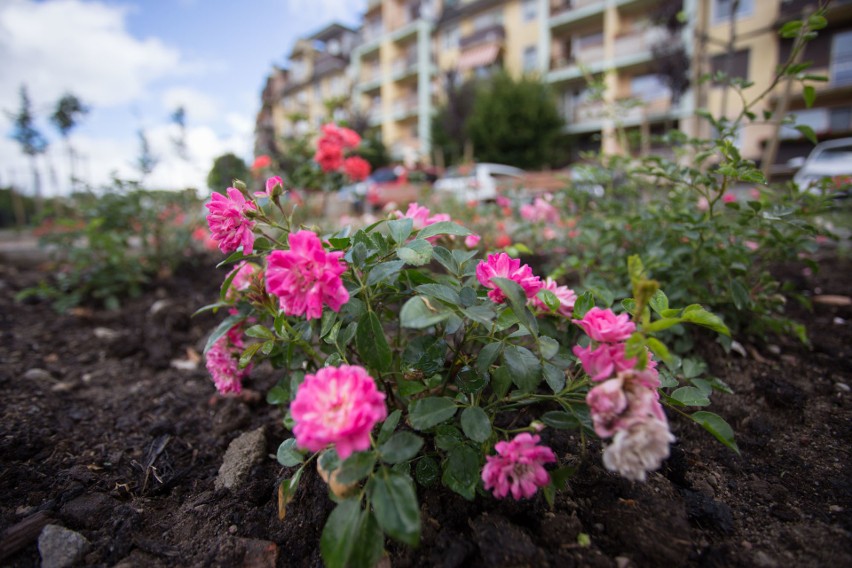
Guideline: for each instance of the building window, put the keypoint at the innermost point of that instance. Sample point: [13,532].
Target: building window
[735,67]
[722,9]
[530,9]
[649,88]
[450,37]
[841,58]
[816,118]
[530,59]
[488,19]
[840,119]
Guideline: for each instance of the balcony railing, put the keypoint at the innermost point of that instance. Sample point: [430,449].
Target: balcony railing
[560,6]
[404,65]
[638,42]
[326,63]
[491,34]
[405,106]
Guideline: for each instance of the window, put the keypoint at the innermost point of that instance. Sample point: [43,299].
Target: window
[840,119]
[735,67]
[649,88]
[722,9]
[450,37]
[588,41]
[530,60]
[841,58]
[816,118]
[530,9]
[488,19]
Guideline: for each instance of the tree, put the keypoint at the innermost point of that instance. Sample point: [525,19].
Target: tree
[66,116]
[32,142]
[226,168]
[449,125]
[515,122]
[146,161]
[178,118]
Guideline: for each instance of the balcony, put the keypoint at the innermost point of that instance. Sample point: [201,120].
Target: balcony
[565,13]
[637,43]
[405,107]
[590,116]
[327,63]
[404,67]
[495,34]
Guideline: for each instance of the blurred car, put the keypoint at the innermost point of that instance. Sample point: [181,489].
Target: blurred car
[479,182]
[385,185]
[830,160]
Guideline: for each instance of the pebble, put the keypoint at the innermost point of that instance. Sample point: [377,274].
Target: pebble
[246,450]
[159,306]
[106,334]
[842,387]
[37,375]
[835,509]
[764,560]
[622,561]
[774,349]
[838,321]
[60,547]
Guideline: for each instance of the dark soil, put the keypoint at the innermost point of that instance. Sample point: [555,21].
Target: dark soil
[112,441]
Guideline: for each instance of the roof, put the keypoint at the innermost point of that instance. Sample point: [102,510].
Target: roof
[330,31]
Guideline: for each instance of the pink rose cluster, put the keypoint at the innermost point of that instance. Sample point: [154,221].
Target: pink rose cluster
[540,211]
[222,361]
[518,467]
[334,140]
[503,266]
[421,217]
[229,221]
[306,277]
[625,404]
[339,406]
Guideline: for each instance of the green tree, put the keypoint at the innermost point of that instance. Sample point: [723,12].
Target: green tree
[146,161]
[449,124]
[32,141]
[67,114]
[226,168]
[515,121]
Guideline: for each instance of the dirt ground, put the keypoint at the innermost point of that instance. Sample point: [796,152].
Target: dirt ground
[101,433]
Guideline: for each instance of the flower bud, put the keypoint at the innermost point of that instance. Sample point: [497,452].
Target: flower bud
[239,184]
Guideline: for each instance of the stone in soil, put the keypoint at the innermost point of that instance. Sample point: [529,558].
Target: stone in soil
[60,547]
[246,450]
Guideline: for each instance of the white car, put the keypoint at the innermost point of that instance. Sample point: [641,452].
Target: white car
[832,160]
[479,182]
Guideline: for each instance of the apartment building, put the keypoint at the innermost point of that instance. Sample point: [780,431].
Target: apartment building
[395,71]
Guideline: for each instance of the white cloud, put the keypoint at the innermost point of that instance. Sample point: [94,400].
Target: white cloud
[198,105]
[83,47]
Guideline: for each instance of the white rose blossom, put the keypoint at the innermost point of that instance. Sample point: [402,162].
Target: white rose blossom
[639,449]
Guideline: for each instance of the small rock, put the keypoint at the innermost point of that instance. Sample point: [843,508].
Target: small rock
[183,364]
[259,553]
[842,387]
[242,453]
[622,561]
[737,347]
[763,560]
[37,375]
[159,306]
[106,334]
[62,386]
[832,300]
[838,321]
[774,349]
[60,547]
[88,510]
[835,508]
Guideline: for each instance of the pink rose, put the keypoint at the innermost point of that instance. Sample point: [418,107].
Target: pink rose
[604,325]
[222,362]
[503,266]
[228,222]
[518,467]
[471,241]
[566,297]
[603,362]
[356,168]
[337,405]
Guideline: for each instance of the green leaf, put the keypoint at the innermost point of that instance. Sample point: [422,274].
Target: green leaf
[548,347]
[693,368]
[401,447]
[371,343]
[286,492]
[807,132]
[446,259]
[717,426]
[703,317]
[790,29]
[224,327]
[385,272]
[550,300]
[475,424]
[554,376]
[356,467]
[659,302]
[248,354]
[524,366]
[441,292]
[470,381]
[278,395]
[461,471]
[487,356]
[339,243]
[351,537]
[740,295]
[518,300]
[389,426]
[691,396]
[443,228]
[584,303]
[260,332]
[288,455]
[659,349]
[395,505]
[416,253]
[427,471]
[560,420]
[400,229]
[501,381]
[419,313]
[426,413]
[483,313]
[809,94]
[661,324]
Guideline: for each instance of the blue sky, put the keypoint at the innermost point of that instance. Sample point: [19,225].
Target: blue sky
[134,62]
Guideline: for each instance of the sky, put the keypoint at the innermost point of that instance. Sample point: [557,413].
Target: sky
[136,61]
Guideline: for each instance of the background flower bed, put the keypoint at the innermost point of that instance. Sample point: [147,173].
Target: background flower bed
[75,442]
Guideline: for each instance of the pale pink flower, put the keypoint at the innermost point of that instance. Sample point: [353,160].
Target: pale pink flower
[754,194]
[503,266]
[271,184]
[566,297]
[751,245]
[337,405]
[422,217]
[604,325]
[518,467]
[229,224]
[471,241]
[548,233]
[606,403]
[703,204]
[729,198]
[503,201]
[245,273]
[639,449]
[306,276]
[222,362]
[539,212]
[603,362]
[619,403]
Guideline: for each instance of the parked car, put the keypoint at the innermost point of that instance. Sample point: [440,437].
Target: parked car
[828,160]
[383,186]
[479,182]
